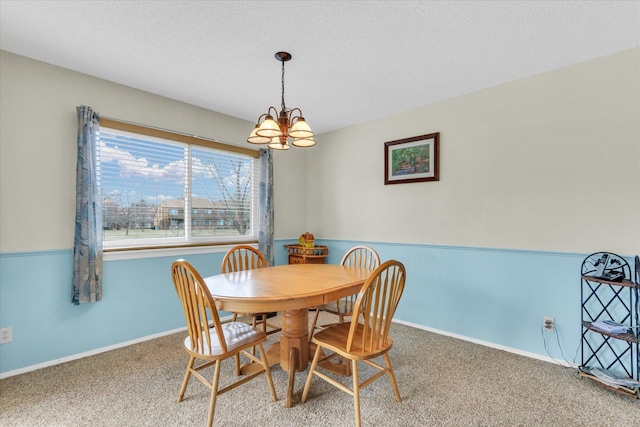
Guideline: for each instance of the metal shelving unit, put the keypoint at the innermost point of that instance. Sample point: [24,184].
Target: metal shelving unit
[604,297]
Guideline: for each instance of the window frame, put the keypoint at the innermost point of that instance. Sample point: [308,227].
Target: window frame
[197,245]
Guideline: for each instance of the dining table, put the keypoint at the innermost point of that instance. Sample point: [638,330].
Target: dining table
[291,289]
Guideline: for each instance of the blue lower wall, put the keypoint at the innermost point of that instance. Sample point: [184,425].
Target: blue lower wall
[498,296]
[35,300]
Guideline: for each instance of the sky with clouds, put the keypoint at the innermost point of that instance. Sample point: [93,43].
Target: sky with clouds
[135,169]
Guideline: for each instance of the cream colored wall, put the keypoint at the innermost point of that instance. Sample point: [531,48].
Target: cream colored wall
[38,147]
[523,165]
[290,192]
[548,163]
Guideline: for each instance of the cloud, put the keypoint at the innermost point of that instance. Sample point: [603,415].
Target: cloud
[131,166]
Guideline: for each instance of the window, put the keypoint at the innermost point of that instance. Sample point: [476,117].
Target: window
[165,189]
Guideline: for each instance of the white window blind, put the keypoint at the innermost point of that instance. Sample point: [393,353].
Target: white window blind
[163,192]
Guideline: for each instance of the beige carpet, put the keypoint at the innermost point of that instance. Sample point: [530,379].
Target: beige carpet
[443,382]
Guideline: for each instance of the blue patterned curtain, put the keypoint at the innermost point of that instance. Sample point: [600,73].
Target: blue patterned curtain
[265,223]
[87,250]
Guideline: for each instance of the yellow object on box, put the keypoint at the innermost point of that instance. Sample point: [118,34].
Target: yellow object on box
[307,240]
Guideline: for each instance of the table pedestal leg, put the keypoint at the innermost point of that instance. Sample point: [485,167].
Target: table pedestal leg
[294,346]
[292,352]
[295,336]
[292,377]
[272,357]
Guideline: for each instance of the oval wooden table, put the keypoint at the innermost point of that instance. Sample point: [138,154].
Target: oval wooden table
[291,289]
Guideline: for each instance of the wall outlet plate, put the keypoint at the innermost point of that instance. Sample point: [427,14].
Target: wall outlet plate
[6,335]
[548,323]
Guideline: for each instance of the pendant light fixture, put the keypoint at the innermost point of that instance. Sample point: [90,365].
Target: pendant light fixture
[289,124]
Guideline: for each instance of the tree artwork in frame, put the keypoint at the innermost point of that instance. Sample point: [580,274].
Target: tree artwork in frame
[413,159]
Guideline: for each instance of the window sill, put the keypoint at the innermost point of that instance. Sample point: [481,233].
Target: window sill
[176,251]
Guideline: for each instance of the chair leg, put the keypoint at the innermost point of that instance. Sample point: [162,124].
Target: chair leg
[347,367]
[392,377]
[254,323]
[356,391]
[347,364]
[214,394]
[313,324]
[236,359]
[341,360]
[307,384]
[187,375]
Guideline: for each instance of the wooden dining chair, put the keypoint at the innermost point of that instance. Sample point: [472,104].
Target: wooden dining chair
[241,258]
[366,336]
[358,256]
[212,342]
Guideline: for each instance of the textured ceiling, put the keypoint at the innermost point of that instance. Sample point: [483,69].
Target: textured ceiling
[353,61]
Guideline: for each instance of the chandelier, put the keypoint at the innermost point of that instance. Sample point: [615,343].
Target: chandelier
[290,123]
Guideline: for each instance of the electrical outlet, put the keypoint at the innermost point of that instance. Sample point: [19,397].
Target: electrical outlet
[6,335]
[548,323]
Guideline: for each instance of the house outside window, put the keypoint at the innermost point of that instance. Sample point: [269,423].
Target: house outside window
[166,192]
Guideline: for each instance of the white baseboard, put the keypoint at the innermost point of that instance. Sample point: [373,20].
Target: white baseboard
[93,352]
[173,331]
[86,354]
[489,344]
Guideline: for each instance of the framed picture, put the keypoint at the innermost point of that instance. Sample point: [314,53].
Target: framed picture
[413,159]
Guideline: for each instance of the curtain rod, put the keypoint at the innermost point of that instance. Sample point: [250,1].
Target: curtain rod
[181,136]
[191,135]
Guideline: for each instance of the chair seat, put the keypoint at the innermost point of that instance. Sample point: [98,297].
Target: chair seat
[250,314]
[335,339]
[341,306]
[236,334]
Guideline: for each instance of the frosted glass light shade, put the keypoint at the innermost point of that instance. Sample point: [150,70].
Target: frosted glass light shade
[269,128]
[278,146]
[300,129]
[254,138]
[304,142]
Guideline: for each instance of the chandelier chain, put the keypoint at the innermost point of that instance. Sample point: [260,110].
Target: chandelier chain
[283,107]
